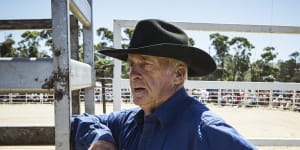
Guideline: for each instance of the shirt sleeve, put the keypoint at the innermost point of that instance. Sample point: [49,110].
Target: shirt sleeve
[87,129]
[221,135]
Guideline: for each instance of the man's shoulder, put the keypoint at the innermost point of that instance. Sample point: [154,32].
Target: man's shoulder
[196,107]
[201,113]
[126,114]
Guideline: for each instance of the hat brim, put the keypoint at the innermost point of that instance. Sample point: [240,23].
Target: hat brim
[198,61]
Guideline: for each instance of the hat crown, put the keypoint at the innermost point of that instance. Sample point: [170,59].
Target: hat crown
[153,31]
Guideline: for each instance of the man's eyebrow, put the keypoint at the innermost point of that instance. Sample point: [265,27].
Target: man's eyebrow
[144,57]
[147,58]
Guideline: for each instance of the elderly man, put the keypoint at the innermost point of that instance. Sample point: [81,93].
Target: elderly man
[160,60]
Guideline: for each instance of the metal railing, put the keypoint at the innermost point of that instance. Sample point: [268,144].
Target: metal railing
[63,74]
[26,98]
[281,99]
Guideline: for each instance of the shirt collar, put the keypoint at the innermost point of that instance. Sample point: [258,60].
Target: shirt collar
[170,109]
[167,111]
[139,120]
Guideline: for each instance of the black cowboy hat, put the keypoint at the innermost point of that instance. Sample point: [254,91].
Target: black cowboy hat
[158,38]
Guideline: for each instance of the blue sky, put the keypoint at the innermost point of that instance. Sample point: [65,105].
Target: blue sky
[259,12]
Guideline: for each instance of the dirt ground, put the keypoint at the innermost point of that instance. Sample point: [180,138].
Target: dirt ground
[250,122]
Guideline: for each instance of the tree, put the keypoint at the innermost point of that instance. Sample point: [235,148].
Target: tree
[256,71]
[125,70]
[28,47]
[47,35]
[268,70]
[268,54]
[106,37]
[128,35]
[295,56]
[287,70]
[6,47]
[104,68]
[241,58]
[220,44]
[296,77]
[290,69]
[229,65]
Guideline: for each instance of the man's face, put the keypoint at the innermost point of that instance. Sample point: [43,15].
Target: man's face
[151,80]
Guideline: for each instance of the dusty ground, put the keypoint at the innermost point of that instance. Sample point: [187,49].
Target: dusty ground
[250,122]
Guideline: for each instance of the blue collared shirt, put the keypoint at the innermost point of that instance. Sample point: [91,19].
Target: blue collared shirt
[181,123]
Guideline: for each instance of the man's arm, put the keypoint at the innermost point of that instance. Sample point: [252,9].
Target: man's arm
[88,129]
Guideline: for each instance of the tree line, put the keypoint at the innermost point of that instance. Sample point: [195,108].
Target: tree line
[232,56]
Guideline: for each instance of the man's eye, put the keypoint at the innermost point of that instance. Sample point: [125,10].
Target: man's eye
[147,63]
[147,66]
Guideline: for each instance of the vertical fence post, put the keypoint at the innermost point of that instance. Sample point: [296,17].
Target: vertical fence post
[270,98]
[117,69]
[88,50]
[74,55]
[294,100]
[61,68]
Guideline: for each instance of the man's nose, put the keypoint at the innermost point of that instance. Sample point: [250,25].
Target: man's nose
[134,73]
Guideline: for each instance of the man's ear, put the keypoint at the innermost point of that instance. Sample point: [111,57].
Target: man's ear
[180,74]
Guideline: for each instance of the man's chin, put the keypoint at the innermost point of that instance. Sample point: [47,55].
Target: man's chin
[139,101]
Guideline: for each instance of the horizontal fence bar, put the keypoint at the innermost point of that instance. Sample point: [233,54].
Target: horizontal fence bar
[82,11]
[24,74]
[276,142]
[81,74]
[36,74]
[25,24]
[240,28]
[225,27]
[124,83]
[242,85]
[26,135]
[44,135]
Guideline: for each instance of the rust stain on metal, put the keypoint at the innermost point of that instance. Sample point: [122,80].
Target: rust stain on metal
[62,75]
[57,51]
[49,83]
[59,94]
[62,78]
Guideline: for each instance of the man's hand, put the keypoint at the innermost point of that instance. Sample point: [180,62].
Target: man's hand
[102,145]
